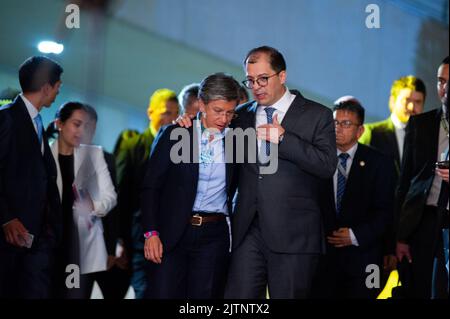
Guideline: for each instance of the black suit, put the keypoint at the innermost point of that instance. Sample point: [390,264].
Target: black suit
[420,225]
[280,211]
[366,208]
[381,135]
[29,193]
[195,258]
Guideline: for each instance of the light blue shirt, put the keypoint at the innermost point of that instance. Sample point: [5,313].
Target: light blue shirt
[211,190]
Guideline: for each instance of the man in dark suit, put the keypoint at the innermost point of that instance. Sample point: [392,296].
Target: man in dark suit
[185,204]
[29,202]
[357,206]
[407,98]
[276,224]
[422,199]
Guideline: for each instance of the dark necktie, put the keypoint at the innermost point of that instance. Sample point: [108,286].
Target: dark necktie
[269,114]
[341,180]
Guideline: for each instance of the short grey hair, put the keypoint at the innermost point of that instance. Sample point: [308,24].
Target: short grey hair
[219,86]
[188,92]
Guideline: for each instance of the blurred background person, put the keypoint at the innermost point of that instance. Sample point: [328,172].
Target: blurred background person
[87,193]
[407,98]
[131,156]
[243,95]
[422,200]
[188,99]
[8,95]
[114,282]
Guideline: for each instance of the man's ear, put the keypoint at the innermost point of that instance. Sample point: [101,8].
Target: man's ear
[391,103]
[283,76]
[360,132]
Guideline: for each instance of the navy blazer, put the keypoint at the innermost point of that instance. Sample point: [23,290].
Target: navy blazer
[169,189]
[28,188]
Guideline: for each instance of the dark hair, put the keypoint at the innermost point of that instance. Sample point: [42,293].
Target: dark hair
[91,112]
[219,86]
[51,131]
[37,71]
[187,94]
[243,94]
[64,112]
[276,59]
[351,105]
[445,61]
[408,82]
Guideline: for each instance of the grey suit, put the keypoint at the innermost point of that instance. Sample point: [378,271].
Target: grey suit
[276,226]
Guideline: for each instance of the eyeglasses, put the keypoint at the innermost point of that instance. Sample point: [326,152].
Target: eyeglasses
[345,123]
[262,81]
[229,115]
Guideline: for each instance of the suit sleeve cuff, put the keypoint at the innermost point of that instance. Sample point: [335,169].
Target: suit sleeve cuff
[353,238]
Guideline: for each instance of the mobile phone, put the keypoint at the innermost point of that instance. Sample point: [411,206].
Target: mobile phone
[442,165]
[28,240]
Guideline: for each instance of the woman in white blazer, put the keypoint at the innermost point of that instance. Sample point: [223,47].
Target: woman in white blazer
[87,194]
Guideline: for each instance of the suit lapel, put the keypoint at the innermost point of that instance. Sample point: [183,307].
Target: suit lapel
[354,180]
[434,131]
[27,124]
[193,166]
[392,141]
[295,111]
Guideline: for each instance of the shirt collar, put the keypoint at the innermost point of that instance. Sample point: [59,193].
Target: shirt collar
[283,103]
[205,132]
[32,110]
[351,152]
[397,124]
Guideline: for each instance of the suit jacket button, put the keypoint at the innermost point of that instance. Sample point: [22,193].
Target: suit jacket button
[260,177]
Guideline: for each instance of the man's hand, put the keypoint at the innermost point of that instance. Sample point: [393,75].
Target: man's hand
[184,120]
[270,132]
[340,238]
[443,173]
[15,233]
[402,250]
[389,263]
[153,249]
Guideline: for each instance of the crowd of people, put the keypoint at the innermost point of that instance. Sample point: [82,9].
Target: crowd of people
[222,196]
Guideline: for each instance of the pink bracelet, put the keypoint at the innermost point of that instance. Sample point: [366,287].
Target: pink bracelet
[149,234]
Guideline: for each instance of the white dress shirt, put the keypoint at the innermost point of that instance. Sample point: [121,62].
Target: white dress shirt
[399,133]
[442,154]
[281,107]
[351,152]
[33,112]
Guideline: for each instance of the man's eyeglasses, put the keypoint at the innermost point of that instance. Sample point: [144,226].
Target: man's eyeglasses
[345,123]
[262,81]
